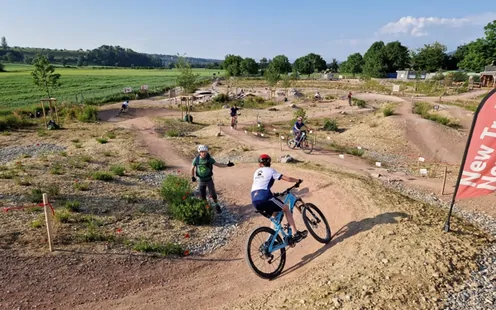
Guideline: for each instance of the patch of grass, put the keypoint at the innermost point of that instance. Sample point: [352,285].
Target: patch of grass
[102,176]
[42,132]
[78,145]
[75,140]
[38,223]
[388,110]
[118,170]
[7,175]
[359,103]
[331,125]
[56,168]
[260,128]
[111,135]
[52,190]
[81,186]
[72,206]
[166,249]
[177,128]
[94,234]
[130,197]
[157,164]
[101,140]
[107,154]
[87,114]
[85,158]
[356,152]
[63,216]
[36,195]
[137,166]
[24,181]
[423,109]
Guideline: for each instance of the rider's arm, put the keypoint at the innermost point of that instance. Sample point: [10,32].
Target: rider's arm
[193,171]
[289,179]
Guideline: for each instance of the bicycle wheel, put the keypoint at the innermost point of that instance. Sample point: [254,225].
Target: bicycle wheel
[291,143]
[307,146]
[257,246]
[312,221]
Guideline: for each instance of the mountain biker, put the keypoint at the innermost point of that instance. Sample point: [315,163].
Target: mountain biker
[297,129]
[125,105]
[204,165]
[317,96]
[234,115]
[263,199]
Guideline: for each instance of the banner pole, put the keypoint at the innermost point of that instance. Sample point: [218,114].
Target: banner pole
[464,159]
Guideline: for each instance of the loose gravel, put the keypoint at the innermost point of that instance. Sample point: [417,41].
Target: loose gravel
[14,152]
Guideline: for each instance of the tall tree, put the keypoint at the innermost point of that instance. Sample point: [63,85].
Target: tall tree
[186,78]
[2,69]
[375,61]
[272,76]
[281,64]
[44,76]
[249,66]
[477,56]
[429,58]
[232,65]
[353,64]
[264,63]
[318,63]
[397,55]
[304,65]
[4,43]
[334,66]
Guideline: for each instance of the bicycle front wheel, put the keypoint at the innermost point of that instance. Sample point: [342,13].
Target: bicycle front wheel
[316,223]
[291,143]
[257,253]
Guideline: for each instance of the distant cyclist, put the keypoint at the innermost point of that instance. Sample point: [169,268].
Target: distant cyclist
[203,164]
[124,106]
[297,131]
[234,115]
[263,199]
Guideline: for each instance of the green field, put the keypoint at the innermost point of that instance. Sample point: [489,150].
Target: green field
[96,85]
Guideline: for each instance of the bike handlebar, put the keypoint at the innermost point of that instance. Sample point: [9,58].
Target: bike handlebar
[287,190]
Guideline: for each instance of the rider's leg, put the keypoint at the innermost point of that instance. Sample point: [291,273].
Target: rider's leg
[213,193]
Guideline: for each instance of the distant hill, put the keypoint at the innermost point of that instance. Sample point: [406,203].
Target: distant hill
[104,55]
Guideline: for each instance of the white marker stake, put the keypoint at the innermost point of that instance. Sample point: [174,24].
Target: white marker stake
[246,131]
[378,164]
[262,134]
[341,156]
[423,171]
[328,138]
[421,159]
[359,147]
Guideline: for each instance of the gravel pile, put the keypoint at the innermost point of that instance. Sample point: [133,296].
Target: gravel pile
[14,152]
[479,292]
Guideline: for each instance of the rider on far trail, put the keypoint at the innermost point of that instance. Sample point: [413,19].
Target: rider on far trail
[234,115]
[203,164]
[297,129]
[125,105]
[317,96]
[263,199]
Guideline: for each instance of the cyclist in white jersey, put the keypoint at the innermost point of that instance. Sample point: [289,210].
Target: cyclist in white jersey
[263,199]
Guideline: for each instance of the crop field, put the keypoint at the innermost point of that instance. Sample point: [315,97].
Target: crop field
[94,85]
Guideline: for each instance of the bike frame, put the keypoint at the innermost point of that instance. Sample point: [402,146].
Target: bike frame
[290,200]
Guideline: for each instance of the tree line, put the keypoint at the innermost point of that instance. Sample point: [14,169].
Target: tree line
[379,60]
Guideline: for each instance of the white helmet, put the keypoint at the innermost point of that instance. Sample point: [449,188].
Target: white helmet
[202,148]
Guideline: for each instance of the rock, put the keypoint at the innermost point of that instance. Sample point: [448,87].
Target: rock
[287,159]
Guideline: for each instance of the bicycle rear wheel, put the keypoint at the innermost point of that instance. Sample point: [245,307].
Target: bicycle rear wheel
[257,251]
[315,219]
[291,143]
[307,145]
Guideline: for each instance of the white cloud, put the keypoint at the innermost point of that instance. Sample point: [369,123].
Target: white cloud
[418,26]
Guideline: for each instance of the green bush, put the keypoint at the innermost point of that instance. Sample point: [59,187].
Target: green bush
[88,114]
[176,191]
[101,140]
[118,170]
[359,103]
[164,249]
[388,110]
[330,125]
[221,98]
[299,113]
[157,164]
[102,176]
[11,122]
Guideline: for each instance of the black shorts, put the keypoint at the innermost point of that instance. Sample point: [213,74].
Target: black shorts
[268,207]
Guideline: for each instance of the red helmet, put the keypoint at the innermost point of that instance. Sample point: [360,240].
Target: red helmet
[264,159]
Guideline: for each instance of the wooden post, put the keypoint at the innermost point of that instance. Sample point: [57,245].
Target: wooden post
[48,220]
[444,179]
[44,115]
[56,111]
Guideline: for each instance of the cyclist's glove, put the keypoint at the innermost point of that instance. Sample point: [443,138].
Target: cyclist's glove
[230,164]
[193,179]
[298,183]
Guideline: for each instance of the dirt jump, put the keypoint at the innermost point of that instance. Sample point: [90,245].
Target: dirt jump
[386,250]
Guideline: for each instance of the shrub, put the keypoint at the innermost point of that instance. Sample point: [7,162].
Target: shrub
[88,114]
[299,113]
[156,164]
[111,135]
[138,166]
[168,248]
[101,140]
[102,176]
[175,191]
[330,125]
[221,98]
[118,170]
[11,122]
[359,103]
[72,206]
[388,110]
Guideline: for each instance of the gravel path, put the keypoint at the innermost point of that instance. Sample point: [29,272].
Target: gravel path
[478,292]
[10,153]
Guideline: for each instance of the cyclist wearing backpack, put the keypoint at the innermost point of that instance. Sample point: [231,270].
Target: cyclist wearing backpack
[202,167]
[263,199]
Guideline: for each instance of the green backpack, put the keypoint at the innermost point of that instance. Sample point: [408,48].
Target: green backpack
[208,165]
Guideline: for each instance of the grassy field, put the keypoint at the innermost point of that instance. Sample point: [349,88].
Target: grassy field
[96,85]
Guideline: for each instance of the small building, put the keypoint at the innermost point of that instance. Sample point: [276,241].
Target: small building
[488,77]
[406,75]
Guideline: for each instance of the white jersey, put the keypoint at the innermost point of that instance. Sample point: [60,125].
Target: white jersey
[263,179]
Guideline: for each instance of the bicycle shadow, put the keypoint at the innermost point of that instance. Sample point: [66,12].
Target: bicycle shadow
[349,230]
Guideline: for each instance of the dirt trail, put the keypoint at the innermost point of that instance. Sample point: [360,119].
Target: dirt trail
[217,280]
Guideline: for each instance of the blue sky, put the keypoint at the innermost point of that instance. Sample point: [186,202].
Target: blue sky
[214,28]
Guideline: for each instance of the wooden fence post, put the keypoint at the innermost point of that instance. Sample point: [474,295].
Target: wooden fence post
[48,220]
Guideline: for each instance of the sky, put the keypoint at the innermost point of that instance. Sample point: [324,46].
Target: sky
[256,29]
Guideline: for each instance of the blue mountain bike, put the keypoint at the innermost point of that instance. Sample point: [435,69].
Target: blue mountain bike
[304,142]
[268,246]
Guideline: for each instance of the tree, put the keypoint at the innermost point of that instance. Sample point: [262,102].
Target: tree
[304,65]
[10,57]
[272,76]
[63,61]
[334,66]
[429,58]
[2,69]
[264,63]
[249,66]
[397,57]
[280,64]
[80,61]
[232,65]
[44,75]
[4,43]
[375,60]
[186,78]
[353,64]
[476,57]
[318,63]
